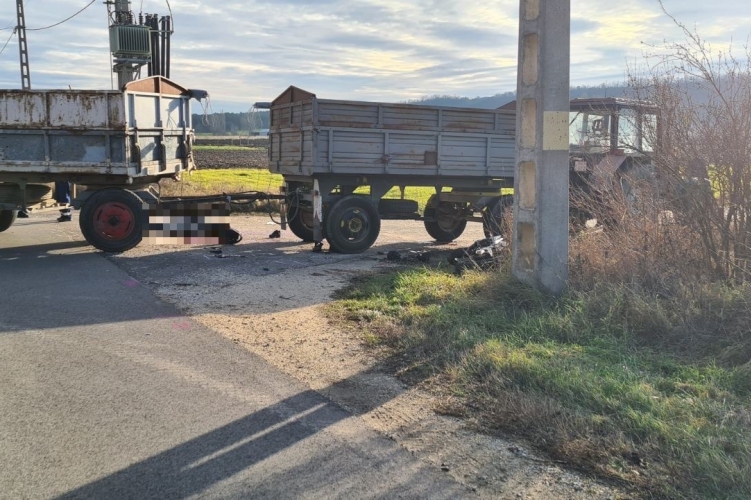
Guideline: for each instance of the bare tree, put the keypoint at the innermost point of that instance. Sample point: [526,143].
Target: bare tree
[218,123]
[703,142]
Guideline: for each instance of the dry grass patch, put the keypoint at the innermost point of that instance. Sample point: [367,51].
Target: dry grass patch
[626,378]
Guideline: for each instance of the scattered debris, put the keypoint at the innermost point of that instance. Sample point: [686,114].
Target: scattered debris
[422,256]
[394,255]
[232,237]
[482,254]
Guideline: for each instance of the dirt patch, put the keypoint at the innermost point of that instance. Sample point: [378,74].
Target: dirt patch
[232,140]
[268,296]
[254,157]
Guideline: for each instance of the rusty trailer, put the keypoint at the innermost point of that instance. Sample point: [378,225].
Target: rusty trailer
[118,144]
[96,137]
[340,158]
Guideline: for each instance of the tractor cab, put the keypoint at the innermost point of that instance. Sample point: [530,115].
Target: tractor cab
[609,135]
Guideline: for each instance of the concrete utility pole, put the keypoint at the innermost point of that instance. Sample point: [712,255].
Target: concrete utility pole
[542,170]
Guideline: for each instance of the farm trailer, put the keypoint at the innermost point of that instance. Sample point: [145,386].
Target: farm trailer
[119,144]
[340,158]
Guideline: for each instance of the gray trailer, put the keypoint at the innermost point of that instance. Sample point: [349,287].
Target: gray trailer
[329,150]
[118,144]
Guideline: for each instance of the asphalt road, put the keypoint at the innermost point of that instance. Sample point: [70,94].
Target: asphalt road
[107,392]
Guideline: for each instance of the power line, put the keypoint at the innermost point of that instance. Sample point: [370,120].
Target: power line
[7,41]
[172,24]
[12,25]
[64,20]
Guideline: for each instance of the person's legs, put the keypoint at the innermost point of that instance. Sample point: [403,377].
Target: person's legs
[62,196]
[66,215]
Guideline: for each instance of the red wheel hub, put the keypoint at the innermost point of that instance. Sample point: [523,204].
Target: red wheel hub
[114,221]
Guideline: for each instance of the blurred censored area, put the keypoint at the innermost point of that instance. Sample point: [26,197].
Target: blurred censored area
[189,223]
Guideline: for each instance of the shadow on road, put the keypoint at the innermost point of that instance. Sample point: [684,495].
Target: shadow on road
[54,287]
[355,468]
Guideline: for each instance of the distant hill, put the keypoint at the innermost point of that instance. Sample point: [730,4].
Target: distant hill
[499,100]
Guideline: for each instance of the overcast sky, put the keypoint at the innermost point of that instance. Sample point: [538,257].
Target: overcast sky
[383,50]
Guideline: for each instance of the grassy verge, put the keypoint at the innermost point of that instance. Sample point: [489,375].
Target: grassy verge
[588,378]
[205,182]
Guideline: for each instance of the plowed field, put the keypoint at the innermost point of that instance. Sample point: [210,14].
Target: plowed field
[231,152]
[231,158]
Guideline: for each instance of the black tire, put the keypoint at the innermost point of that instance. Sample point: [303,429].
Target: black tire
[112,220]
[390,206]
[446,225]
[7,218]
[352,225]
[300,221]
[494,216]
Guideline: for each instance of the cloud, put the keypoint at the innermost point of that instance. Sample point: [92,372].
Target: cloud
[389,50]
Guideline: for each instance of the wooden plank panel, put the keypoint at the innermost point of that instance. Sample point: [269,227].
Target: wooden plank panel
[357,135]
[405,133]
[280,117]
[368,112]
[347,115]
[302,115]
[322,148]
[308,116]
[413,139]
[357,148]
[410,118]
[464,120]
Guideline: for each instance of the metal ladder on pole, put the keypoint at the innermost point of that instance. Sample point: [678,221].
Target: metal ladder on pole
[23,47]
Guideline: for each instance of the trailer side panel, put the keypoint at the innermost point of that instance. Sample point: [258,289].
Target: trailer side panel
[143,132]
[315,136]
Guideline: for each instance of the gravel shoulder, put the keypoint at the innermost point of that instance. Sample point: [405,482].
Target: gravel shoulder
[267,295]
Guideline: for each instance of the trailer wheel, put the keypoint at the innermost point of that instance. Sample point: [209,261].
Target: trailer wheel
[352,224]
[494,216]
[7,218]
[111,220]
[448,222]
[301,221]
